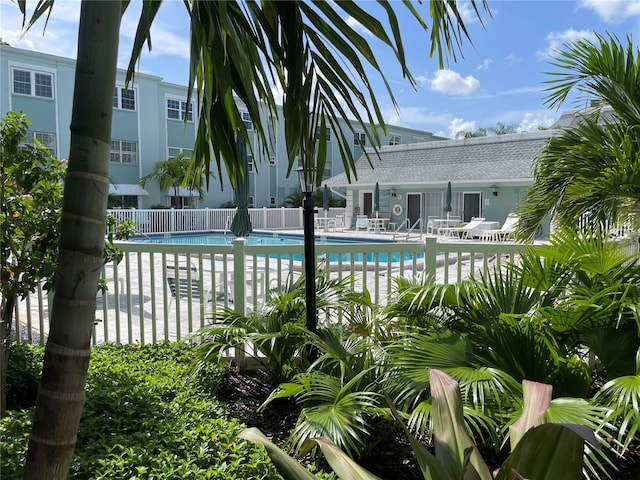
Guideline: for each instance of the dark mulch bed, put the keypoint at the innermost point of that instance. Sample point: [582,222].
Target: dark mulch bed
[390,456]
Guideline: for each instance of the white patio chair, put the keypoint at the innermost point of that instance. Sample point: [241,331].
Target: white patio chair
[464,231]
[362,222]
[505,232]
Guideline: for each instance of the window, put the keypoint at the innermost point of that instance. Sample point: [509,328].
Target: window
[123,151]
[246,118]
[250,201]
[123,201]
[360,139]
[128,99]
[177,109]
[124,99]
[328,133]
[272,201]
[272,160]
[175,151]
[36,84]
[395,140]
[46,139]
[327,172]
[250,162]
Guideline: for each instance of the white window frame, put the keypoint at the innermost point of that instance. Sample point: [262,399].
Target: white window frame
[395,139]
[43,138]
[180,109]
[360,139]
[248,123]
[251,199]
[272,160]
[32,81]
[251,163]
[328,130]
[272,201]
[118,98]
[177,150]
[117,149]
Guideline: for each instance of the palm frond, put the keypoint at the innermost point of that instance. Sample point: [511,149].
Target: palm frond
[621,398]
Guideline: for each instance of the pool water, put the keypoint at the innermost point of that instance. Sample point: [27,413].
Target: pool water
[219,238]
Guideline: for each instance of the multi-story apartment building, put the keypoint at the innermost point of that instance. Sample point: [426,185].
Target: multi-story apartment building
[148,127]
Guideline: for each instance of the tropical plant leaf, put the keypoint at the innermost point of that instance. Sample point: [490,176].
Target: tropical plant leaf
[548,452]
[537,398]
[288,467]
[340,462]
[453,445]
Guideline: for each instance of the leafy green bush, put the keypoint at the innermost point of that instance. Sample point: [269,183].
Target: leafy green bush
[146,416]
[23,375]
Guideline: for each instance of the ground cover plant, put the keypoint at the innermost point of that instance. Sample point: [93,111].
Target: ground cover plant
[145,416]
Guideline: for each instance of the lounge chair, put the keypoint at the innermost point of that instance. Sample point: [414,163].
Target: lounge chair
[504,233]
[464,231]
[185,284]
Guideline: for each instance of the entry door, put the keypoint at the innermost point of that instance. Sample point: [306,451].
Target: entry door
[472,205]
[414,210]
[367,203]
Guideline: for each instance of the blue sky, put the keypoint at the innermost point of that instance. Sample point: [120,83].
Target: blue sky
[500,78]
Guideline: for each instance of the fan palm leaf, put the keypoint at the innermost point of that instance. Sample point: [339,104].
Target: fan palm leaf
[621,398]
[592,167]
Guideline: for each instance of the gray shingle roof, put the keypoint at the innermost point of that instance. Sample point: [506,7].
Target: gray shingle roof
[481,159]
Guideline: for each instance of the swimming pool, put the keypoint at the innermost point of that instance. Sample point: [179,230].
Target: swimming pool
[259,238]
[262,238]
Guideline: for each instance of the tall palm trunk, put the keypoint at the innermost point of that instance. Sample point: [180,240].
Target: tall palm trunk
[61,393]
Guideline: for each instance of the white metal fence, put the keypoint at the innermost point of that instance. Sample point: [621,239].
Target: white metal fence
[167,291]
[188,220]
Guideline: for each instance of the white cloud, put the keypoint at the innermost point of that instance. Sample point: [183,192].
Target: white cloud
[415,117]
[612,10]
[59,38]
[556,41]
[460,125]
[513,58]
[533,120]
[449,82]
[468,14]
[486,63]
[422,80]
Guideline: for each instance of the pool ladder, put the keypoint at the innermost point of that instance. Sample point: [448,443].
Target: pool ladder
[227,227]
[416,228]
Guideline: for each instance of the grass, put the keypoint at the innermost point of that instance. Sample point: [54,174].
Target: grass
[146,416]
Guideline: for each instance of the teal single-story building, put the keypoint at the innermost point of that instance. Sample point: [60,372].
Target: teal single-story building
[488,178]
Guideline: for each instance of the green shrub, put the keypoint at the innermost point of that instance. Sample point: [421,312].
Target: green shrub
[146,416]
[23,375]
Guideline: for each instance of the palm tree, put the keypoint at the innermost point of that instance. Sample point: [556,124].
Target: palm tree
[478,132]
[173,173]
[592,168]
[237,50]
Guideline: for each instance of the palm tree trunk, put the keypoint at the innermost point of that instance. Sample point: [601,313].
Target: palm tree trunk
[61,394]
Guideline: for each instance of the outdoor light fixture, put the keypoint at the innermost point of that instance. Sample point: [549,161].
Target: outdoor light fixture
[307,185]
[494,190]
